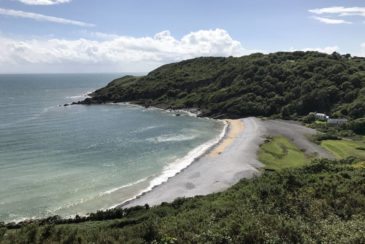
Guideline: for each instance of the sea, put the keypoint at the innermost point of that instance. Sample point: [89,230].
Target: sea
[69,160]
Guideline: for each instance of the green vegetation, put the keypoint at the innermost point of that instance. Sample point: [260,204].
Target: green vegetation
[322,202]
[345,148]
[279,153]
[349,129]
[284,84]
[357,126]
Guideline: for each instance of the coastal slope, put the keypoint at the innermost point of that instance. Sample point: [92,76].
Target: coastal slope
[284,84]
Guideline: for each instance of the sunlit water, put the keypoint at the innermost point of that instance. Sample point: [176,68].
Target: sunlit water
[78,159]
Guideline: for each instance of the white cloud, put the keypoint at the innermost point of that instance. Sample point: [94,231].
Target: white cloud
[43,2]
[121,53]
[41,17]
[339,10]
[328,49]
[334,15]
[331,21]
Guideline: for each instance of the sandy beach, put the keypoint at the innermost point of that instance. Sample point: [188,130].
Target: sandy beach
[235,129]
[225,164]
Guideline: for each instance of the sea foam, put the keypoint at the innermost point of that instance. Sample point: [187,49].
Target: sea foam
[171,138]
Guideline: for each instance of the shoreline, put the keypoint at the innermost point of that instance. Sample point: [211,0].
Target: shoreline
[205,151]
[236,150]
[194,112]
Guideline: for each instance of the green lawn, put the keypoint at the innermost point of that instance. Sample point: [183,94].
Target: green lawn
[279,153]
[345,148]
[319,122]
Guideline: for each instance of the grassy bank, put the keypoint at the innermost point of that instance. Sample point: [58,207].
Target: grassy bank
[323,201]
[345,148]
[279,153]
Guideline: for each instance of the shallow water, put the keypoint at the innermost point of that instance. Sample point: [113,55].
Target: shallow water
[77,159]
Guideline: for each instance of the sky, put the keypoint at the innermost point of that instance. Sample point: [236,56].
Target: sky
[91,36]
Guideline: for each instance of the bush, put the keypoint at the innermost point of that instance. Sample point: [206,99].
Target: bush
[325,136]
[310,118]
[357,125]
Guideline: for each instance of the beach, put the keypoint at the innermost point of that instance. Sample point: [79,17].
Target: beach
[231,160]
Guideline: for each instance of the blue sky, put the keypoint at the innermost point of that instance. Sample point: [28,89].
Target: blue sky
[139,35]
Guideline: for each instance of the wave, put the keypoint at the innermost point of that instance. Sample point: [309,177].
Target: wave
[83,200]
[70,205]
[20,121]
[84,95]
[179,165]
[108,165]
[171,138]
[148,128]
[27,119]
[188,112]
[123,186]
[13,218]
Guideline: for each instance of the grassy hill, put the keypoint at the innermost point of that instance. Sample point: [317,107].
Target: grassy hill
[284,84]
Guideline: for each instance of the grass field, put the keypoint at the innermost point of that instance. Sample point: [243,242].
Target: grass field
[280,153]
[345,148]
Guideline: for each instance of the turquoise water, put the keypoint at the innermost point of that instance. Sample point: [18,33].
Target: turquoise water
[78,159]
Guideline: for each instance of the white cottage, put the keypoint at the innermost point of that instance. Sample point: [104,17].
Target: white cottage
[321,116]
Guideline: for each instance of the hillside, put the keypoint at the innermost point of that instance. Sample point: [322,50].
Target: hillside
[284,84]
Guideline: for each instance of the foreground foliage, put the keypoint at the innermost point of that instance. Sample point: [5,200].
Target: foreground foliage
[321,202]
[284,84]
